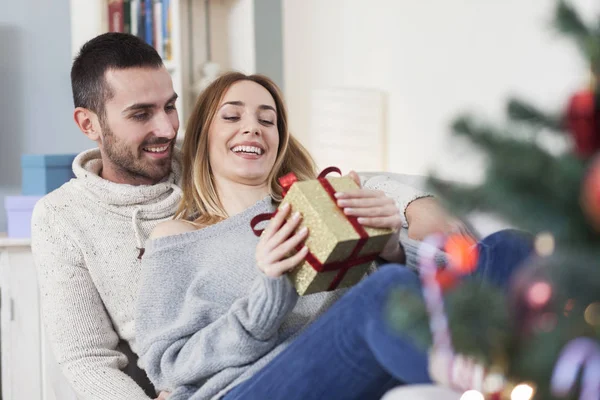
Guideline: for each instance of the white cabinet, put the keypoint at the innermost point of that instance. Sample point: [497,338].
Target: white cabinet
[28,369]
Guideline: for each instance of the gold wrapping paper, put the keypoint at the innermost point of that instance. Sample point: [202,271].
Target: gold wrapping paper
[332,238]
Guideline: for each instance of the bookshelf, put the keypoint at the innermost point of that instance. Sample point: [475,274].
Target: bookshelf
[89,18]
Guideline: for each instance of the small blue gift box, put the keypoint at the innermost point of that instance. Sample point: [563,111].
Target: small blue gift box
[18,213]
[42,173]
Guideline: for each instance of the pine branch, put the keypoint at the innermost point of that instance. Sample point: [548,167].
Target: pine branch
[519,111]
[528,186]
[529,209]
[477,314]
[568,22]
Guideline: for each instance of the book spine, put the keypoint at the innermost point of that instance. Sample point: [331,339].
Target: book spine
[142,19]
[127,16]
[158,29]
[166,29]
[149,29]
[115,16]
[169,30]
[135,16]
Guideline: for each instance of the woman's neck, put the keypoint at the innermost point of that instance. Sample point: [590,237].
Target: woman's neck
[237,197]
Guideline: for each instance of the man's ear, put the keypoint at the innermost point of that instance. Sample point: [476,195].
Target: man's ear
[88,123]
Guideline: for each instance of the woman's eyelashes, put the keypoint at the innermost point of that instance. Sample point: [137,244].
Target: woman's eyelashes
[266,122]
[263,121]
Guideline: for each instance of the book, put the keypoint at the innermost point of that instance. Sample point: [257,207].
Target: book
[141,32]
[127,16]
[167,29]
[135,16]
[115,16]
[159,44]
[149,28]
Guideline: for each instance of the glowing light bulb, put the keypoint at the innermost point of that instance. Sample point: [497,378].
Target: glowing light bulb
[472,395]
[592,314]
[522,392]
[544,244]
[539,294]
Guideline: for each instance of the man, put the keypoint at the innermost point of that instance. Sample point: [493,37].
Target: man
[88,236]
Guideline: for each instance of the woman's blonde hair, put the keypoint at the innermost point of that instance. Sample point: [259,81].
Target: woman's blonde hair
[200,200]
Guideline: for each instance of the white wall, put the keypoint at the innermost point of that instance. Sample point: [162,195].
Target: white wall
[36,106]
[241,36]
[434,58]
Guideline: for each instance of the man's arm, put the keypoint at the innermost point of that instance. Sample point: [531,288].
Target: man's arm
[77,325]
[422,213]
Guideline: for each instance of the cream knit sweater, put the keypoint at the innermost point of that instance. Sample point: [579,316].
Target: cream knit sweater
[86,238]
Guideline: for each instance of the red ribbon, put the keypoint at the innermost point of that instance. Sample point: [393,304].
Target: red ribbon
[342,267]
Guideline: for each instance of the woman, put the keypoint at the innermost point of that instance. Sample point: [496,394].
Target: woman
[217,317]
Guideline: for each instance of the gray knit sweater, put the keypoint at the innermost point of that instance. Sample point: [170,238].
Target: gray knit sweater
[207,318]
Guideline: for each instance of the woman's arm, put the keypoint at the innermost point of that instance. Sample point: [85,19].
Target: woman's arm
[184,337]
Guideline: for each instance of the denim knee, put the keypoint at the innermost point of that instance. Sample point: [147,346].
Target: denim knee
[509,237]
[391,276]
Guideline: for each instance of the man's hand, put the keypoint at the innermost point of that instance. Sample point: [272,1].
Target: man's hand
[426,216]
[163,396]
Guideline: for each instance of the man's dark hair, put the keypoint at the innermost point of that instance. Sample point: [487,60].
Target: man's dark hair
[100,54]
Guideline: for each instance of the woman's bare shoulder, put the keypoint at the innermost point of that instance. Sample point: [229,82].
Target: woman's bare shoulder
[172,227]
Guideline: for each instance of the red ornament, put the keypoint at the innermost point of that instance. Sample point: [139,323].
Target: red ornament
[463,253]
[446,279]
[590,193]
[583,122]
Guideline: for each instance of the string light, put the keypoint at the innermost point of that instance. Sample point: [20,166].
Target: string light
[472,395]
[539,294]
[494,382]
[592,314]
[523,391]
[544,244]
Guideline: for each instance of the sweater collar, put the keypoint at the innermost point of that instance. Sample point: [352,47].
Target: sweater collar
[159,200]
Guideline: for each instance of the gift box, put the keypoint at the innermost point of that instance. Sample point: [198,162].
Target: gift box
[341,250]
[18,213]
[42,173]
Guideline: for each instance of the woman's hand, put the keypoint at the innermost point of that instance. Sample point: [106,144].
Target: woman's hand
[375,210]
[277,241]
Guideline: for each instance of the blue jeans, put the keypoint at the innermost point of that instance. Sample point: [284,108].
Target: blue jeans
[350,353]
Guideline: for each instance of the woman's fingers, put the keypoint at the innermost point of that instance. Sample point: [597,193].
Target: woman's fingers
[371,212]
[391,222]
[372,208]
[354,176]
[290,263]
[276,222]
[365,202]
[285,231]
[279,252]
[359,193]
[279,240]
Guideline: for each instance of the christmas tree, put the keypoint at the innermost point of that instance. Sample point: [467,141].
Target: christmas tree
[544,331]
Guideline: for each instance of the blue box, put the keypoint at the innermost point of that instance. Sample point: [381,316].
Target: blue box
[18,215]
[42,173]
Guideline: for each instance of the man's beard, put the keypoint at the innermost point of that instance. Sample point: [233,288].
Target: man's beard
[132,164]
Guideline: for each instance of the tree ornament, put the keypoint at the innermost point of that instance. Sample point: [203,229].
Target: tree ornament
[583,122]
[590,193]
